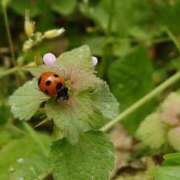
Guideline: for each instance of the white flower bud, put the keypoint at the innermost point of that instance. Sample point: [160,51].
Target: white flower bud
[53,33]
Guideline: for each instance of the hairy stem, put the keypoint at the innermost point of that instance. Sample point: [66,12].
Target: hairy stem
[36,139]
[9,35]
[142,101]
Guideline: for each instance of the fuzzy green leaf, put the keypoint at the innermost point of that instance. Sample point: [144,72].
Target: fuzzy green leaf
[105,102]
[167,173]
[70,119]
[90,101]
[83,111]
[79,57]
[152,131]
[26,100]
[21,158]
[78,68]
[91,158]
[130,79]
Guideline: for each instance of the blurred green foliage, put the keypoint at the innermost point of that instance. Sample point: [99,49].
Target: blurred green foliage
[137,44]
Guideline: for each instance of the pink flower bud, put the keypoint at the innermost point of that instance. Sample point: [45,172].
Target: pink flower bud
[49,59]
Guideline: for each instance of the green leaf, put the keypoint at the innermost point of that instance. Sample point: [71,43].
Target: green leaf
[172,159]
[121,15]
[90,101]
[83,111]
[21,158]
[26,100]
[91,158]
[35,7]
[105,102]
[152,132]
[96,43]
[70,119]
[130,79]
[64,7]
[166,15]
[167,173]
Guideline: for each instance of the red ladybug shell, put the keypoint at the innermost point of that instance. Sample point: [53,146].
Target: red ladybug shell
[50,82]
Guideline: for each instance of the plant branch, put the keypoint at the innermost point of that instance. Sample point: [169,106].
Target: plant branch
[142,101]
[35,137]
[9,71]
[9,35]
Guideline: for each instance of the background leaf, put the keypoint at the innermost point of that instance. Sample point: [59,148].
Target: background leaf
[131,78]
[167,14]
[125,14]
[21,158]
[64,7]
[83,160]
[152,131]
[35,7]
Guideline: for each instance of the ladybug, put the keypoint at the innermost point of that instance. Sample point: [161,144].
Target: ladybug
[53,85]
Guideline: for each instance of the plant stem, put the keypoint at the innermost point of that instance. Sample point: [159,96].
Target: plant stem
[35,137]
[142,101]
[9,71]
[110,20]
[9,35]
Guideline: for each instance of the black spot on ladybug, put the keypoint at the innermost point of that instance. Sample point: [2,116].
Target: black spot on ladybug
[46,91]
[59,85]
[48,82]
[55,75]
[39,81]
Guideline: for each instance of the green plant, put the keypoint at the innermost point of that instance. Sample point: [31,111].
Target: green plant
[138,51]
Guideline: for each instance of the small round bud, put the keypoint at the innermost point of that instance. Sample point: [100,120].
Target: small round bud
[53,33]
[49,59]
[94,60]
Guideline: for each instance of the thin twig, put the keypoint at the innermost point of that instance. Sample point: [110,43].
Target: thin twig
[9,35]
